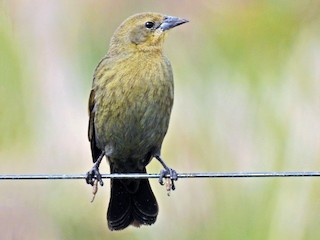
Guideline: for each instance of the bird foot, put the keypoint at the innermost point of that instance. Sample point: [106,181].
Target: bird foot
[173,176]
[93,178]
[94,175]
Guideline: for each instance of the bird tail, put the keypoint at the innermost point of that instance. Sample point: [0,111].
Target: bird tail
[131,202]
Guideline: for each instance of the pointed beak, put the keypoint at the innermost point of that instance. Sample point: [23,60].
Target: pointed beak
[171,22]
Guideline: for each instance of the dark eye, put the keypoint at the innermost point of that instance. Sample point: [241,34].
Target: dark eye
[149,24]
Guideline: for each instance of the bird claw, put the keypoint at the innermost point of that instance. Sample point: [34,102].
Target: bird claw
[94,175]
[94,189]
[173,176]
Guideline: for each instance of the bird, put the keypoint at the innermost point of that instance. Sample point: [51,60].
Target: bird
[129,111]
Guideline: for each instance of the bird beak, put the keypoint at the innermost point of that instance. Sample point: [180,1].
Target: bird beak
[171,22]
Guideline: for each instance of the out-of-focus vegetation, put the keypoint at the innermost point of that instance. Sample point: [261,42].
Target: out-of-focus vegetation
[247,78]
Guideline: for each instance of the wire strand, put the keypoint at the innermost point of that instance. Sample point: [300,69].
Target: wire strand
[145,176]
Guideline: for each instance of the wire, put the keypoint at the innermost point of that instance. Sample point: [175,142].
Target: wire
[144,176]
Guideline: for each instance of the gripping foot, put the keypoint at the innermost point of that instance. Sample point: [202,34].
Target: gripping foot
[94,175]
[167,171]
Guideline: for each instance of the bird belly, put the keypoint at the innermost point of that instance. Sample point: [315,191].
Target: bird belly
[135,123]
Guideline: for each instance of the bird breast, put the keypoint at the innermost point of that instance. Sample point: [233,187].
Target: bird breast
[134,106]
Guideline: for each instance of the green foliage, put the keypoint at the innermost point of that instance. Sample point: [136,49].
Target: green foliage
[14,125]
[246,99]
[257,39]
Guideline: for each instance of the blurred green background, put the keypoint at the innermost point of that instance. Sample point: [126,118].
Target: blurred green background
[247,98]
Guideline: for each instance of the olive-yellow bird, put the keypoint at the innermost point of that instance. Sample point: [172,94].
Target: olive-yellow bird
[129,107]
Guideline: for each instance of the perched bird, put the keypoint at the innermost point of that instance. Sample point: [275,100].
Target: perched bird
[129,111]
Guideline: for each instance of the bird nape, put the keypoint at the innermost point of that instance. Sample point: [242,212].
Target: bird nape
[129,111]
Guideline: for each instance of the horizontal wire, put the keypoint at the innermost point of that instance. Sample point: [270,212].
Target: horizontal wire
[145,175]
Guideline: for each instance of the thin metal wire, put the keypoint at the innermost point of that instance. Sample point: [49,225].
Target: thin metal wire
[144,176]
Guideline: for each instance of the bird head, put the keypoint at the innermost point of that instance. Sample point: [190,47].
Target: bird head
[143,32]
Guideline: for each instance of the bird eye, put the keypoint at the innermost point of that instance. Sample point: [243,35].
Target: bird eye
[149,24]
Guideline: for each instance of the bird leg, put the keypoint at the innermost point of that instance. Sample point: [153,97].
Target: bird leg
[167,171]
[94,175]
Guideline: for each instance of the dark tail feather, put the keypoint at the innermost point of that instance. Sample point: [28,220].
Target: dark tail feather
[119,210]
[126,207]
